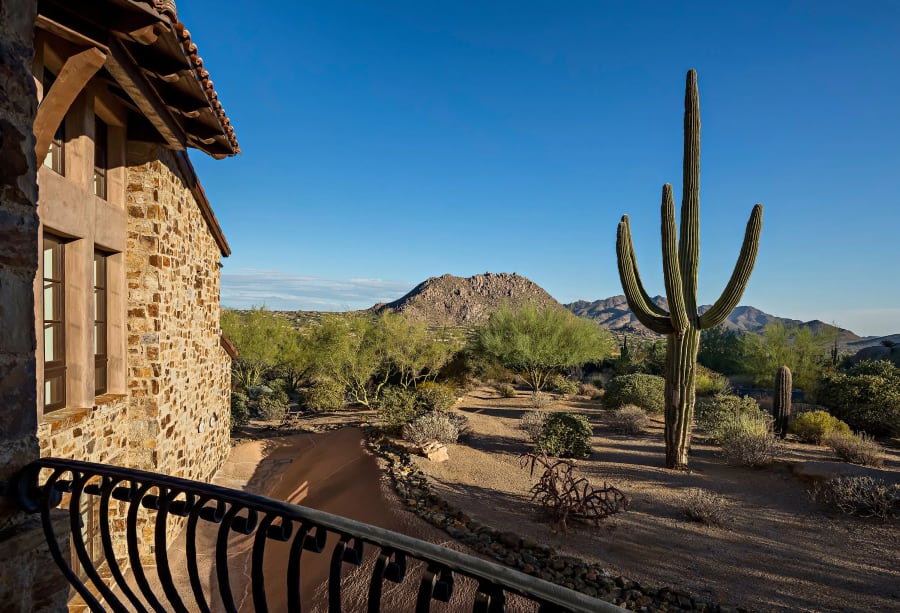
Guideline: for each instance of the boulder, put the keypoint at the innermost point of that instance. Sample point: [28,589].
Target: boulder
[435,451]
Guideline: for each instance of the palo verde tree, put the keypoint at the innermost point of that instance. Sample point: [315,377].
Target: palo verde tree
[258,335]
[681,256]
[539,342]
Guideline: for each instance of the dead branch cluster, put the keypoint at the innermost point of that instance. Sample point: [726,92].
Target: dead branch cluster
[567,496]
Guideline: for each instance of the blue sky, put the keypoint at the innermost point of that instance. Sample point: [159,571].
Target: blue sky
[386,142]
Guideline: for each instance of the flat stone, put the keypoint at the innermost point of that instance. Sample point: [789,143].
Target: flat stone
[436,452]
[820,470]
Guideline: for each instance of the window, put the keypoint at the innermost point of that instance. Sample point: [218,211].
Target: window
[55,159]
[54,324]
[101,143]
[99,323]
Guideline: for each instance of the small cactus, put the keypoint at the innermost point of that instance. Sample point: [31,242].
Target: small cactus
[781,404]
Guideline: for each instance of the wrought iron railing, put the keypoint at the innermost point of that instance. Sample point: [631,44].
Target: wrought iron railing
[45,483]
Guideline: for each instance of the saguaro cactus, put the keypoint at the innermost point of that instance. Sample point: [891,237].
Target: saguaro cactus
[781,403]
[682,323]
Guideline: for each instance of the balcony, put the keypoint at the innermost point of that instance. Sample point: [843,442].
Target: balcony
[396,572]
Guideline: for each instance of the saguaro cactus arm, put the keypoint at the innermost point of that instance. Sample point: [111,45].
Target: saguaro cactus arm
[671,269]
[739,277]
[689,245]
[647,312]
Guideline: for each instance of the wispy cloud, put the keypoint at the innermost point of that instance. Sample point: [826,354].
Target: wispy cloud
[244,288]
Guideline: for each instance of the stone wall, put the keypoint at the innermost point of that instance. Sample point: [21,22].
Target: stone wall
[178,374]
[25,582]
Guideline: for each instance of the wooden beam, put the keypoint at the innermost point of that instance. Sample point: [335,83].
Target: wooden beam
[72,79]
[66,33]
[123,69]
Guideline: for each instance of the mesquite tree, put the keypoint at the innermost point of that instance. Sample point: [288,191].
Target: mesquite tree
[682,323]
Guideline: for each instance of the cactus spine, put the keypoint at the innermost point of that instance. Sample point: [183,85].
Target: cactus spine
[781,404]
[681,254]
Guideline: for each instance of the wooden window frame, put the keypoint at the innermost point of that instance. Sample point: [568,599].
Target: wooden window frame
[54,370]
[101,318]
[101,157]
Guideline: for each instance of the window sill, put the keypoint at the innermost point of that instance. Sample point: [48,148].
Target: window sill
[61,419]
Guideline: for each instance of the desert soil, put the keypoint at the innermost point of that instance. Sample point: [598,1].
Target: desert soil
[777,550]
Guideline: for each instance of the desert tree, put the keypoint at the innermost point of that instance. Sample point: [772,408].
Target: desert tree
[539,342]
[259,336]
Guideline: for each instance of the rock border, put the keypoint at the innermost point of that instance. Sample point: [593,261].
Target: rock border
[508,548]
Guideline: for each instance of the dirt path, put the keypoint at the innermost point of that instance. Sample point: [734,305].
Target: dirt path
[779,551]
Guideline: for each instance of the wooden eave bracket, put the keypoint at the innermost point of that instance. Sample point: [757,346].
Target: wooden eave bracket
[70,82]
[124,70]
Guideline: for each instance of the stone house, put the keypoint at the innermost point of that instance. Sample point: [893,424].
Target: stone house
[110,236]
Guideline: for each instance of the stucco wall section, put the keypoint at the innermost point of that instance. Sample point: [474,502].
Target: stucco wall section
[178,374]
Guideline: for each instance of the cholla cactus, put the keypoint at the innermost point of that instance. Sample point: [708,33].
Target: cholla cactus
[781,404]
[681,255]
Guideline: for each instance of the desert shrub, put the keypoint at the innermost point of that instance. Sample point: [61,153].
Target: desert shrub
[506,390]
[646,391]
[540,400]
[629,419]
[326,395]
[271,407]
[532,423]
[705,507]
[709,382]
[433,426]
[715,412]
[432,396]
[854,448]
[867,397]
[564,495]
[565,435]
[590,390]
[812,426]
[563,385]
[747,439]
[240,411]
[279,385]
[397,407]
[861,495]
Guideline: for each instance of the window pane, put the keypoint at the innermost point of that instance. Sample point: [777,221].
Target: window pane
[48,301]
[49,345]
[48,260]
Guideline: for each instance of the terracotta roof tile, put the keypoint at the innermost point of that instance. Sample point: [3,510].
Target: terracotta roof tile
[167,8]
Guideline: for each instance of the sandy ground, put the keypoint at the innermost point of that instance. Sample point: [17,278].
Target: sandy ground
[778,551]
[330,472]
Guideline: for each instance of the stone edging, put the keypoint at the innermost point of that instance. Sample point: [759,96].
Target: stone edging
[522,554]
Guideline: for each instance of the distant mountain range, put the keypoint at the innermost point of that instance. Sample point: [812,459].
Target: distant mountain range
[465,301]
[613,313]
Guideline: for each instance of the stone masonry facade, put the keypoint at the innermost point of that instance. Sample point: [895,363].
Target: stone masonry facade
[175,417]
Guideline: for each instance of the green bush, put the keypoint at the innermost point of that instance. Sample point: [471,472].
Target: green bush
[646,391]
[715,412]
[854,448]
[325,395]
[431,396]
[240,411]
[709,382]
[813,426]
[271,407]
[867,397]
[565,435]
[563,385]
[747,439]
[397,407]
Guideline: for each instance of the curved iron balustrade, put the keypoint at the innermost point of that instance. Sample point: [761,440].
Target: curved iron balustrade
[43,483]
